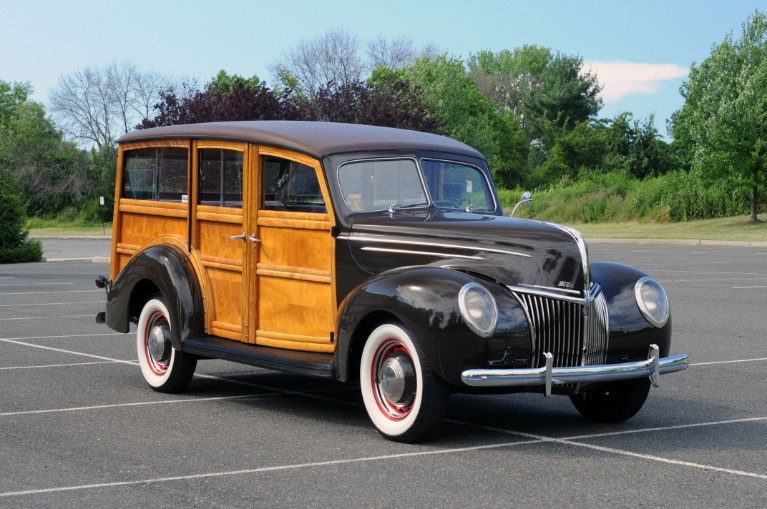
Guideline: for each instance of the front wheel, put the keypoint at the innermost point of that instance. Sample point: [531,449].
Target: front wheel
[164,368]
[612,401]
[404,398]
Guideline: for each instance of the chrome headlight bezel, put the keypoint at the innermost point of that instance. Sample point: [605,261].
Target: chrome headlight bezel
[479,309]
[652,301]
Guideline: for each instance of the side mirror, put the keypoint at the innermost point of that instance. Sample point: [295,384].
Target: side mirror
[527,197]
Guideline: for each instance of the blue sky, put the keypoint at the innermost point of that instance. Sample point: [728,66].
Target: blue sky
[641,51]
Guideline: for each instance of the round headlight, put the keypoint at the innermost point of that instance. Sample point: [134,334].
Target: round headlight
[652,301]
[478,308]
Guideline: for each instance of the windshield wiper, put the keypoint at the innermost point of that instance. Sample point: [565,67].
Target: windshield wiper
[395,206]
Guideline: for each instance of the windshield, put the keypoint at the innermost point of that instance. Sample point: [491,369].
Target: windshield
[457,186]
[379,184]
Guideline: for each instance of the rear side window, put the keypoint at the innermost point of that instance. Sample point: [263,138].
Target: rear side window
[157,174]
[221,177]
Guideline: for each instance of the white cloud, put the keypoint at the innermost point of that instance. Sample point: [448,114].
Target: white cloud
[620,79]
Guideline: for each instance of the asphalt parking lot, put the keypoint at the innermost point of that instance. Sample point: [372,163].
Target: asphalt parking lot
[80,428]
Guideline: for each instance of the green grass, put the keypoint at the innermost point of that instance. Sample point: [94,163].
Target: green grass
[725,229]
[72,231]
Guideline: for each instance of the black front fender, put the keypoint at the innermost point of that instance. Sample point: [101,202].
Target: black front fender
[165,269]
[630,333]
[425,300]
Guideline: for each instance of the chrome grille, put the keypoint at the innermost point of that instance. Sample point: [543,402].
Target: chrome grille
[575,332]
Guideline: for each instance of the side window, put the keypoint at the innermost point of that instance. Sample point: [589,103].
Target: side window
[289,185]
[220,177]
[158,174]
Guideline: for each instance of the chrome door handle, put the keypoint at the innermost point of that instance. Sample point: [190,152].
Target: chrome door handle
[253,238]
[237,237]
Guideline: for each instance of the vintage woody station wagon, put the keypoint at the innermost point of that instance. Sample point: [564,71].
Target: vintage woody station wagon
[367,254]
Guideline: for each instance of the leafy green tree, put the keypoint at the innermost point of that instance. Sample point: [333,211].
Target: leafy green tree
[469,117]
[49,173]
[723,123]
[508,76]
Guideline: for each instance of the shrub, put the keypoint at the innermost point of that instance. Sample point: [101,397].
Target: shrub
[14,246]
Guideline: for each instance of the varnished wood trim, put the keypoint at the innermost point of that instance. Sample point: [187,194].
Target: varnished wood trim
[215,262]
[129,249]
[307,216]
[175,142]
[154,208]
[294,223]
[227,327]
[298,273]
[218,217]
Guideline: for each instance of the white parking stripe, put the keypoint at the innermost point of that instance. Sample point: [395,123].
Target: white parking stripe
[46,366]
[44,317]
[728,362]
[33,284]
[51,304]
[50,292]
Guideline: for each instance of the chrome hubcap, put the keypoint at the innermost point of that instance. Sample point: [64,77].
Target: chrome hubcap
[397,380]
[158,343]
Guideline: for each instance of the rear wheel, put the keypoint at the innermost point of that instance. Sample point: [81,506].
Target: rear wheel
[404,398]
[164,368]
[612,401]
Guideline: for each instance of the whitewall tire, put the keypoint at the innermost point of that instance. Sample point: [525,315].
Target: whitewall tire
[164,368]
[405,399]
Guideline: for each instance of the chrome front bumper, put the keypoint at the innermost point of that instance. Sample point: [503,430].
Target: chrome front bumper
[549,375]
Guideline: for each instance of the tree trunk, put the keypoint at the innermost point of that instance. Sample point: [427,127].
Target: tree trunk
[754,203]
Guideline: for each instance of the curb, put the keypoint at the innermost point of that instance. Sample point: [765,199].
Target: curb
[681,242]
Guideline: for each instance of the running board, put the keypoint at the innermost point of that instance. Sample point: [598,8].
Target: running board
[314,364]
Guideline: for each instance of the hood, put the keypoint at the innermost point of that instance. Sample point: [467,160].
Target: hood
[514,252]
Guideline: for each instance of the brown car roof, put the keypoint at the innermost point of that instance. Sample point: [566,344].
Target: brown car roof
[317,139]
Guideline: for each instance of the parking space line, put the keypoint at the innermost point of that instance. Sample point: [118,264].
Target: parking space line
[50,292]
[735,361]
[72,364]
[3,285]
[43,317]
[51,303]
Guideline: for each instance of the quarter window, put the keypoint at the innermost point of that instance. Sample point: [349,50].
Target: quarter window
[158,174]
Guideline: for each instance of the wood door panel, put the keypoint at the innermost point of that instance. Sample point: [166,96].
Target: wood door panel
[297,314]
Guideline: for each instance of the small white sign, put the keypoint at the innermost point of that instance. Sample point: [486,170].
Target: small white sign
[101,200]
[468,186]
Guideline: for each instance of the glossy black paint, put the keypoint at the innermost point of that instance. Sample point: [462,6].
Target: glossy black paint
[630,333]
[159,268]
[425,300]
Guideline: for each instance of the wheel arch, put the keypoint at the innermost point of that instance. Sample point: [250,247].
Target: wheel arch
[402,295]
[163,269]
